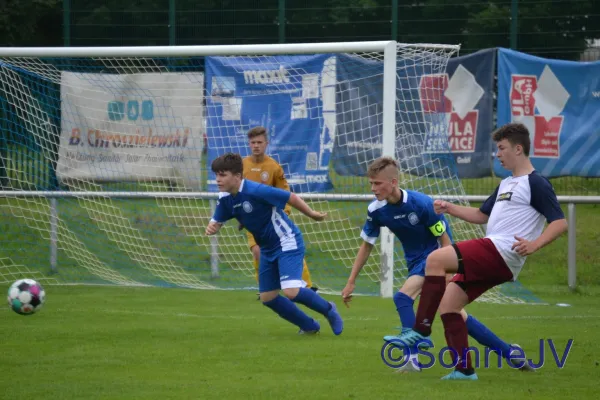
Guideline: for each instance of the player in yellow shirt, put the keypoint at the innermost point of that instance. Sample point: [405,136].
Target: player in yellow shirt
[261,168]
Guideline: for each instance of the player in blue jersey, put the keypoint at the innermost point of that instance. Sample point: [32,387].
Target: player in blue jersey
[411,217]
[515,215]
[260,208]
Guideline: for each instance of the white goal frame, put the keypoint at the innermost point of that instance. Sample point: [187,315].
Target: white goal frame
[388,48]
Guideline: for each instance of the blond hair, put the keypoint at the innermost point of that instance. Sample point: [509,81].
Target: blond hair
[382,164]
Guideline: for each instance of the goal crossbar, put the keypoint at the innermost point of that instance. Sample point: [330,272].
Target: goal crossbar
[215,50]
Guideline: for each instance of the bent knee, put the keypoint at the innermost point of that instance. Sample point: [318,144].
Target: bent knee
[265,297]
[291,293]
[435,263]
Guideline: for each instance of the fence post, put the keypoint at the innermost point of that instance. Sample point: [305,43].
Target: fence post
[53,234]
[214,247]
[514,27]
[572,251]
[394,19]
[281,20]
[172,37]
[66,23]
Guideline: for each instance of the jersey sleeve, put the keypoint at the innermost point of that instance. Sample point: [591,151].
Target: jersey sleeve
[371,229]
[282,183]
[543,198]
[279,179]
[488,204]
[222,213]
[435,223]
[273,196]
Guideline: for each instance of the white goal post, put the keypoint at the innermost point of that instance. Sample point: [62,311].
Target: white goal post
[101,122]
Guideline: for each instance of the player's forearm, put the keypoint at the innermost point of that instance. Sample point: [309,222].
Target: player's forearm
[469,214]
[300,205]
[445,240]
[213,227]
[361,259]
[552,232]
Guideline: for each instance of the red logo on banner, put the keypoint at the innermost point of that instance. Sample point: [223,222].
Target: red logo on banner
[463,132]
[547,135]
[545,125]
[522,102]
[431,90]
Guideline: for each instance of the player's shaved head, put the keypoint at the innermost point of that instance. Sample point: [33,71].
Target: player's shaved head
[384,167]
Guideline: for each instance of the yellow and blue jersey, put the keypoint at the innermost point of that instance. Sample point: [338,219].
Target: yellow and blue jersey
[412,220]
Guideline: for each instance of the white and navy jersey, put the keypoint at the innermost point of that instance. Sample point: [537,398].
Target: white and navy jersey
[519,207]
[412,220]
[260,209]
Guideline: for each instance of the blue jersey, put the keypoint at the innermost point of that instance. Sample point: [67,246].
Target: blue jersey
[260,209]
[413,221]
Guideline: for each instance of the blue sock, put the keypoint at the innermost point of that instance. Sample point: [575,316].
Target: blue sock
[404,306]
[287,310]
[312,300]
[485,337]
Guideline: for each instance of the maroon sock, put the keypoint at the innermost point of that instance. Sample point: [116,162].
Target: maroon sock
[431,295]
[455,330]
[448,339]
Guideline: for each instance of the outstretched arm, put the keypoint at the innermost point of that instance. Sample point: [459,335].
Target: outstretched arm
[361,259]
[300,205]
[469,214]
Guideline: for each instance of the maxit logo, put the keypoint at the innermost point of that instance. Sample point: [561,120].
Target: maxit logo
[548,96]
[266,76]
[448,105]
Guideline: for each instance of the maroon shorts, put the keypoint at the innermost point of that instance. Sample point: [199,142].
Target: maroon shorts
[480,267]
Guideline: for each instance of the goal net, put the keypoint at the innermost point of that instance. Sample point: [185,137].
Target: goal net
[105,155]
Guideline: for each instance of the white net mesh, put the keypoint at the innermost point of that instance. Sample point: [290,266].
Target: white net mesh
[147,124]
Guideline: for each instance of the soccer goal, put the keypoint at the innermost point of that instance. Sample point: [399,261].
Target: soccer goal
[105,156]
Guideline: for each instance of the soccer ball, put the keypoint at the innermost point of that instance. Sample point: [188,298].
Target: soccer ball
[26,296]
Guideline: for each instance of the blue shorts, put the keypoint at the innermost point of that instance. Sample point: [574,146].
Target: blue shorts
[282,271]
[417,269]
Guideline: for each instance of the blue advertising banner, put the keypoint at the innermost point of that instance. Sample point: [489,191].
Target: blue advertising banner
[292,96]
[443,120]
[559,102]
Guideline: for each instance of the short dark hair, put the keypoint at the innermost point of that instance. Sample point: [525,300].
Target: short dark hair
[228,162]
[515,133]
[380,164]
[257,131]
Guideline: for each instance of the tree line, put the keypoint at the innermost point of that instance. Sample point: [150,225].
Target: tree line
[558,28]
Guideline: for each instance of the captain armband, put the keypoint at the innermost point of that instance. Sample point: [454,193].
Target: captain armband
[438,229]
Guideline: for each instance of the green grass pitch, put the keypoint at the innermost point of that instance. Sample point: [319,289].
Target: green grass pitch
[156,343]
[100,342]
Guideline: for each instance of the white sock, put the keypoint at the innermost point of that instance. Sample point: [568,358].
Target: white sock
[414,358]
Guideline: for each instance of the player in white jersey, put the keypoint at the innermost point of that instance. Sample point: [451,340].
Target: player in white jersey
[260,208]
[515,215]
[411,217]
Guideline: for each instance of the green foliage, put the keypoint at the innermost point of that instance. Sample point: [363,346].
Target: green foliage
[30,22]
[554,28]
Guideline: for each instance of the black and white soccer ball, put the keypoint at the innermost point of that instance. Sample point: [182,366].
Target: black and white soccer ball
[26,296]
